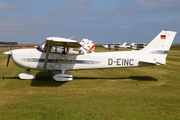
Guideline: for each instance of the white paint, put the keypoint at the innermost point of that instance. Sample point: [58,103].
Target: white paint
[27,76]
[62,77]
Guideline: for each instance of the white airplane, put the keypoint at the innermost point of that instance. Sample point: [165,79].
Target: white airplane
[127,46]
[117,46]
[114,46]
[124,44]
[105,46]
[109,46]
[61,54]
[139,46]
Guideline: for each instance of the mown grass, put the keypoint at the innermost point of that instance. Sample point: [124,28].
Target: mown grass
[105,94]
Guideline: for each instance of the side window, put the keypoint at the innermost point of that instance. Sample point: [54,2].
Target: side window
[75,51]
[58,50]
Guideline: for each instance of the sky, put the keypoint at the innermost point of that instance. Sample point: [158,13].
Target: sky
[103,21]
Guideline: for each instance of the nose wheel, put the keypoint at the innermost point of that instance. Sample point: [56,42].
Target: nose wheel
[27,75]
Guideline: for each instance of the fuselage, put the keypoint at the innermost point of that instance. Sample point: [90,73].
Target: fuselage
[31,58]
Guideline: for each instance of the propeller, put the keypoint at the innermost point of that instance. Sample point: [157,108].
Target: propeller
[9,55]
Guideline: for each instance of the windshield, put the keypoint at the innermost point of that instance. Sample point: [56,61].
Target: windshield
[42,47]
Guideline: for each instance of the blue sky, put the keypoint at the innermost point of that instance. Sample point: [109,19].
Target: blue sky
[103,21]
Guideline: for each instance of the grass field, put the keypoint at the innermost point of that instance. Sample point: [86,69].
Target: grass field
[105,94]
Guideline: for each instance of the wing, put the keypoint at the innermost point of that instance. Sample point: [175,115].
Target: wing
[63,42]
[57,41]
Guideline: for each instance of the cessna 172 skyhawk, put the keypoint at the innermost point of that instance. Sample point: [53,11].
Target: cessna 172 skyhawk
[60,54]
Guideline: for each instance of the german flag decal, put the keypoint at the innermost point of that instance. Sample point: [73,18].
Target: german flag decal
[163,36]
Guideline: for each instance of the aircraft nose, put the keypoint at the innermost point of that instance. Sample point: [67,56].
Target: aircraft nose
[7,53]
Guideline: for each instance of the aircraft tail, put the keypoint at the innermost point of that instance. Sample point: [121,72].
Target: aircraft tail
[124,44]
[132,44]
[88,45]
[156,51]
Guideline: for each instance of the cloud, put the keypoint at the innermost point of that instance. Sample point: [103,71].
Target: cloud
[71,12]
[5,6]
[169,25]
[80,2]
[8,25]
[26,31]
[149,4]
[156,3]
[120,12]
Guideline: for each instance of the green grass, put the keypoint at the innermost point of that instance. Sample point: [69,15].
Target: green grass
[105,94]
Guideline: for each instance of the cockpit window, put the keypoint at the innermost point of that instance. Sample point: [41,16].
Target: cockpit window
[42,47]
[58,50]
[75,51]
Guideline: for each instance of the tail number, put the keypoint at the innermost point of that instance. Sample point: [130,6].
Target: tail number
[121,62]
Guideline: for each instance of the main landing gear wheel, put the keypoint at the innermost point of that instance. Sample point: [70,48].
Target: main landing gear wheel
[58,76]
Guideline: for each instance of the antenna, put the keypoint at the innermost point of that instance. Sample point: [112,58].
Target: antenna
[71,37]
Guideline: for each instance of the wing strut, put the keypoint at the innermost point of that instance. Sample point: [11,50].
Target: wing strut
[47,55]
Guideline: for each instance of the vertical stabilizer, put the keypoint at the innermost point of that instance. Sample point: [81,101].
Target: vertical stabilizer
[158,48]
[124,44]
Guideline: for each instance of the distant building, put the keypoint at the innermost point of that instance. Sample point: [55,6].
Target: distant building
[8,43]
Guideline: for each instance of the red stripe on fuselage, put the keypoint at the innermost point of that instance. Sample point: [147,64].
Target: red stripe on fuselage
[28,48]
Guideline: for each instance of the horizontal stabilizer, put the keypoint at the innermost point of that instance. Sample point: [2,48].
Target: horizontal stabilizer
[148,62]
[151,62]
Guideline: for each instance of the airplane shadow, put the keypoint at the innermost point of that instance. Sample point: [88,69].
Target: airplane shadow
[4,78]
[44,79]
[143,78]
[138,78]
[46,83]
